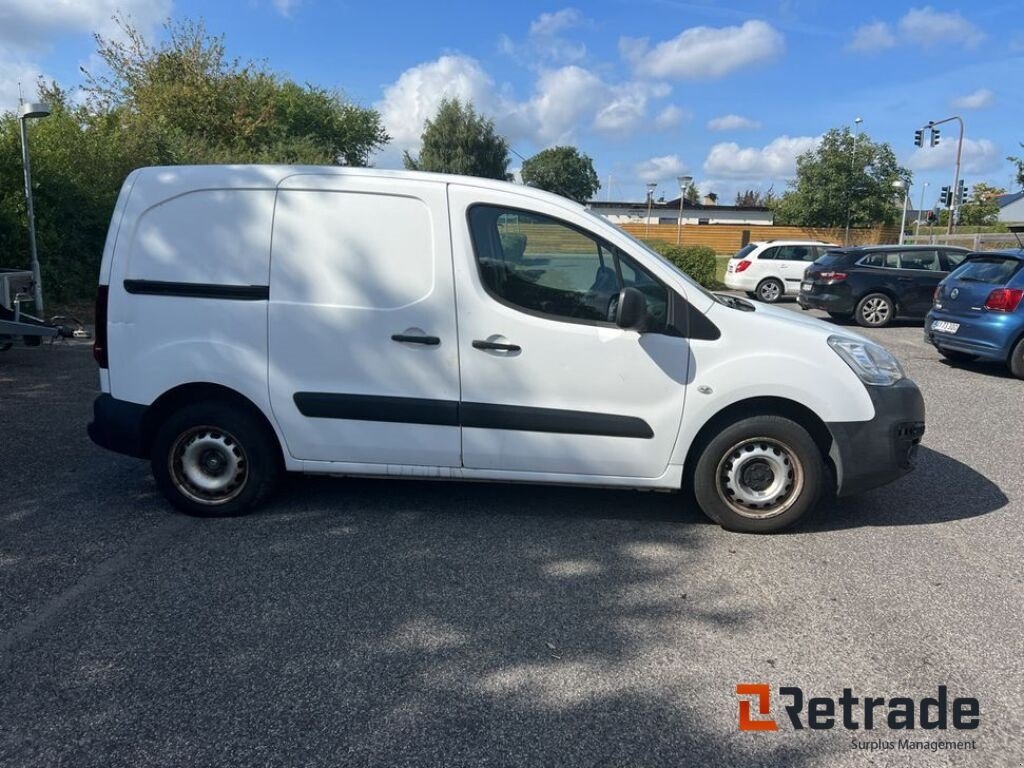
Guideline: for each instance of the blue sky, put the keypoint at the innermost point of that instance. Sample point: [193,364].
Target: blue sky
[727,92]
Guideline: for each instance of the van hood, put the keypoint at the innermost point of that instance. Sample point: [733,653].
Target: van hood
[786,319]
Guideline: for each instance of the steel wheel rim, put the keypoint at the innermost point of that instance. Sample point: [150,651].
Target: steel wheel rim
[759,478]
[208,465]
[875,311]
[770,291]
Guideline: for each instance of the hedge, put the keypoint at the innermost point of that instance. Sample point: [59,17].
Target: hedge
[698,261]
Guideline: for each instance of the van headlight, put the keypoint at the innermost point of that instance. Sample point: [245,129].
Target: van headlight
[872,364]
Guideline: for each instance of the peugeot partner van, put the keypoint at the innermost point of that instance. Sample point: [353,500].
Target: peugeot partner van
[253,320]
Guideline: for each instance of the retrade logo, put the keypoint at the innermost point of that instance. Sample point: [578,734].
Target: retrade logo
[852,713]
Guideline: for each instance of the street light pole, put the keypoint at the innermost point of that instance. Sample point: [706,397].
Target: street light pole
[651,186]
[26,111]
[684,183]
[849,192]
[917,229]
[953,202]
[901,185]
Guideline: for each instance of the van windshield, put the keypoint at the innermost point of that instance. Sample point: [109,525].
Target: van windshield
[689,280]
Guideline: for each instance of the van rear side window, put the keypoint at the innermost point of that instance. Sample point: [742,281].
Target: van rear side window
[350,249]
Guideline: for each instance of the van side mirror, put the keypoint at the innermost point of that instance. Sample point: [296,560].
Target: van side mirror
[632,311]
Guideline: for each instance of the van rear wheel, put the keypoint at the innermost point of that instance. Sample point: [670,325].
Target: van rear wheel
[214,459]
[759,475]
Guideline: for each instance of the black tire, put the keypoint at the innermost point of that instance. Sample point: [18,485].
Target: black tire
[228,445]
[1017,360]
[773,442]
[842,317]
[770,290]
[751,294]
[876,310]
[957,357]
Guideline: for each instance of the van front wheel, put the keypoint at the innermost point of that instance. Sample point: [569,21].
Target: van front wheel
[759,475]
[214,459]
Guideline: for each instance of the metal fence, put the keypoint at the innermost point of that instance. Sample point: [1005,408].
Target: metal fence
[987,241]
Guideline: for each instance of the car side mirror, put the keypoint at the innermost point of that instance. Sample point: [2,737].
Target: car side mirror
[632,311]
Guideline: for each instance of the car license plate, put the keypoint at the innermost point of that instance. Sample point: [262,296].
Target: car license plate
[944,327]
[806,285]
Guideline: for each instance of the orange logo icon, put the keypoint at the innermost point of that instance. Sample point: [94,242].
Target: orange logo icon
[763,694]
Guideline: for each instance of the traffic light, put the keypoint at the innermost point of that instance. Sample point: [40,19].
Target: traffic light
[945,198]
[935,137]
[961,192]
[918,138]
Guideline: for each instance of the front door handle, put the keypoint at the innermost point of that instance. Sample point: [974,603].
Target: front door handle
[406,338]
[480,344]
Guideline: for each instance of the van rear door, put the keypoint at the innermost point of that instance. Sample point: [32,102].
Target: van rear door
[363,357]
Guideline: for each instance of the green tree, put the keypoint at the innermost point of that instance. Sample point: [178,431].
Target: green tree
[184,101]
[563,170]
[458,140]
[981,208]
[837,177]
[1019,162]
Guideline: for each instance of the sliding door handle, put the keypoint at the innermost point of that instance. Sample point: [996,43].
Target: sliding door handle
[479,344]
[406,338]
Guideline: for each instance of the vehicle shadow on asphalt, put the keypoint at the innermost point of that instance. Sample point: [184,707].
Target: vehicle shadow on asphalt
[991,369]
[939,490]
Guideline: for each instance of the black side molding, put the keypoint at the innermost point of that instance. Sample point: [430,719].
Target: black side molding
[198,290]
[450,413]
[557,420]
[403,410]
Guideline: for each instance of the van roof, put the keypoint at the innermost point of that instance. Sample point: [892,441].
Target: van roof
[180,178]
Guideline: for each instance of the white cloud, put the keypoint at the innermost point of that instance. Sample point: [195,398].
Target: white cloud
[981,98]
[285,7]
[419,91]
[775,160]
[928,27]
[670,117]
[563,97]
[564,101]
[12,73]
[32,24]
[705,52]
[658,169]
[545,43]
[979,156]
[553,23]
[732,123]
[876,36]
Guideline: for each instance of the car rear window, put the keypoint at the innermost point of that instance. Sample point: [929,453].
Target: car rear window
[744,251]
[996,270]
[831,259]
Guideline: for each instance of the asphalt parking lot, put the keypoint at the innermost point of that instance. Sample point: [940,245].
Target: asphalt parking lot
[358,622]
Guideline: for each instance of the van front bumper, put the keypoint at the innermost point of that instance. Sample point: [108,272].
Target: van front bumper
[117,425]
[871,453]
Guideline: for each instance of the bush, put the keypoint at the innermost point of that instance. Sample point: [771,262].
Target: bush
[513,245]
[698,261]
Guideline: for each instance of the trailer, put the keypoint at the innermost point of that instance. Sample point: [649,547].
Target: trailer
[15,285]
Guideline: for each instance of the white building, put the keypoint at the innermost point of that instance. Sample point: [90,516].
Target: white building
[1011,208]
[667,212]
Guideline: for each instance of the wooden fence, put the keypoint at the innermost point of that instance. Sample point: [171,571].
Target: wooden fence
[729,238]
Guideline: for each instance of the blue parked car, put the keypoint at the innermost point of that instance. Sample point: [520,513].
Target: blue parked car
[978,311]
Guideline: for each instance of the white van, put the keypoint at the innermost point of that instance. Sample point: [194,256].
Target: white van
[259,319]
[767,270]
